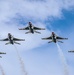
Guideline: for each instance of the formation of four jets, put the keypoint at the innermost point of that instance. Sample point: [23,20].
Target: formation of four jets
[32,29]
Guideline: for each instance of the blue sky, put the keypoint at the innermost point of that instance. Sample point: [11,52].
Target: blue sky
[39,57]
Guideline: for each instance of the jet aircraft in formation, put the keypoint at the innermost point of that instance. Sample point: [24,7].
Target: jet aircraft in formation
[54,38]
[12,40]
[2,53]
[32,29]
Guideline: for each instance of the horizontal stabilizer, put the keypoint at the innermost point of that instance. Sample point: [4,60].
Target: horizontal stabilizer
[50,42]
[60,41]
[0,56]
[7,43]
[17,43]
[21,29]
[27,32]
[37,32]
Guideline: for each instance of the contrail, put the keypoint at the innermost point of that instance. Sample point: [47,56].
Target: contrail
[2,70]
[65,66]
[21,62]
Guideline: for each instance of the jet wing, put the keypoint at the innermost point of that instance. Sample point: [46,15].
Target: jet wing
[26,28]
[4,39]
[36,28]
[16,39]
[60,38]
[2,53]
[47,38]
[70,51]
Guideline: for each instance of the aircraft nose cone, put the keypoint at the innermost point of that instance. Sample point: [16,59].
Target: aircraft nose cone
[52,32]
[9,34]
[30,23]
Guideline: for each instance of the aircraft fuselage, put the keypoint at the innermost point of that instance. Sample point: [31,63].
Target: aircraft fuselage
[54,38]
[10,39]
[31,29]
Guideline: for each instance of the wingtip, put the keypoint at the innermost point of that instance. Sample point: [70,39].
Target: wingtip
[4,53]
[43,28]
[42,38]
[69,51]
[19,29]
[1,40]
[23,39]
[66,38]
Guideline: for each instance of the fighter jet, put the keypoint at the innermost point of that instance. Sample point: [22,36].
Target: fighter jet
[12,40]
[32,29]
[54,38]
[71,51]
[2,53]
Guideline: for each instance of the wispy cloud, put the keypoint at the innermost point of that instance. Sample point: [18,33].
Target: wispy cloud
[33,9]
[15,14]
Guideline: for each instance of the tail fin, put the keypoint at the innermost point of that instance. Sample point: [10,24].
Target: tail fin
[49,41]
[7,43]
[60,41]
[17,43]
[27,32]
[37,32]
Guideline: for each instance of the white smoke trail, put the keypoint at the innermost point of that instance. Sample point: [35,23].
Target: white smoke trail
[2,70]
[66,71]
[21,62]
